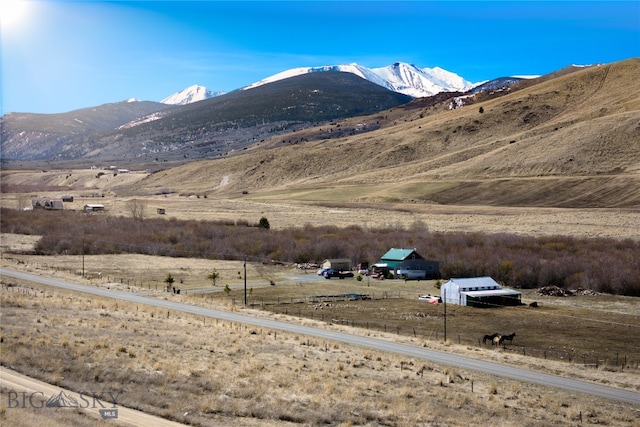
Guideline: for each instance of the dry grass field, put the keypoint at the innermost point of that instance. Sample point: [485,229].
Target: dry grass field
[215,373]
[283,210]
[206,372]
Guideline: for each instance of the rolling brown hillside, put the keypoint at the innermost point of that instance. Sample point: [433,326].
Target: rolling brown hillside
[570,141]
[566,141]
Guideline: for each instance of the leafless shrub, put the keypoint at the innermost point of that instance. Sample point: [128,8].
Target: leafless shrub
[602,265]
[136,208]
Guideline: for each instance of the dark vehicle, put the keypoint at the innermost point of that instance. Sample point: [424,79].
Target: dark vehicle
[329,273]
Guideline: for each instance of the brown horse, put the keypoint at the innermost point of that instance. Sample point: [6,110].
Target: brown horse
[489,338]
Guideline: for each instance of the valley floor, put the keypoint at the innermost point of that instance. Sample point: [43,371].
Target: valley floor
[297,209]
[613,223]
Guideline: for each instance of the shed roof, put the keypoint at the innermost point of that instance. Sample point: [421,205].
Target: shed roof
[399,254]
[492,293]
[338,260]
[474,282]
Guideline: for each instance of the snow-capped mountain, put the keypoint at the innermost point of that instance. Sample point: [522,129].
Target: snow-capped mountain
[420,82]
[191,94]
[399,77]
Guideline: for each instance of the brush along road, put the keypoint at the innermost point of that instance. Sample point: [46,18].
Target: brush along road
[366,342]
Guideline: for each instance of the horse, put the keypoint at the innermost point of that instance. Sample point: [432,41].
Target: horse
[488,338]
[497,340]
[507,338]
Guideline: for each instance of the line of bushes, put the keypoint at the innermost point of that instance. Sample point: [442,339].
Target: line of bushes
[602,265]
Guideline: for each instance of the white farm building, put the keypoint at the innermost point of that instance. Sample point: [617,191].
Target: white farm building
[478,292]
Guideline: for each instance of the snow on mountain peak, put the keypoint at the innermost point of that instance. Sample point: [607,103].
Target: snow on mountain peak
[398,77]
[191,94]
[420,82]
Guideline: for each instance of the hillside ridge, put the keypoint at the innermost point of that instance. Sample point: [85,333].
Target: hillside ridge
[564,129]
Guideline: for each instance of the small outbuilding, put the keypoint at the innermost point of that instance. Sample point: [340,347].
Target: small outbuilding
[48,204]
[407,264]
[53,205]
[93,207]
[478,292]
[337,264]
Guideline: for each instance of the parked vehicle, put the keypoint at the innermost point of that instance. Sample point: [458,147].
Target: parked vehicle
[328,273]
[411,274]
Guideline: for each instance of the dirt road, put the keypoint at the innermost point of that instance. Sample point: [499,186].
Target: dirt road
[24,391]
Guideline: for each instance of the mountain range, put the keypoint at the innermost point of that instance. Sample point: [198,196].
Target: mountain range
[220,123]
[566,139]
[399,77]
[569,139]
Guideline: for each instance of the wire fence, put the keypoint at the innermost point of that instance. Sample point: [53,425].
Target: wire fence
[306,306]
[299,307]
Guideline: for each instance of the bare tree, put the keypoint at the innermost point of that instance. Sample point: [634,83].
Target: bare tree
[137,208]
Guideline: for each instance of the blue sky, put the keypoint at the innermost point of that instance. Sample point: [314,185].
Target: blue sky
[58,56]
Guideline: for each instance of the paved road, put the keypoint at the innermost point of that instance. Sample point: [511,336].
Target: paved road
[367,342]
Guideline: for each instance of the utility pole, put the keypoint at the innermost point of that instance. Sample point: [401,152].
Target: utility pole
[83,256]
[245,280]
[444,300]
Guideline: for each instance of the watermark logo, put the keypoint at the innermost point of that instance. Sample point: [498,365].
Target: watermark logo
[62,400]
[105,402]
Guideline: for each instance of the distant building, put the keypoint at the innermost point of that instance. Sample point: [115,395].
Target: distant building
[93,207]
[338,264]
[406,264]
[48,204]
[478,292]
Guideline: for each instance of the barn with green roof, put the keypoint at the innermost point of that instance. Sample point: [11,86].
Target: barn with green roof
[404,263]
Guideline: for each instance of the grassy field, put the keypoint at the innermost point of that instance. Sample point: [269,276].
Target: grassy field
[590,329]
[207,372]
[333,205]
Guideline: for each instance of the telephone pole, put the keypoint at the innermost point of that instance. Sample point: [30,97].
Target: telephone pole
[444,300]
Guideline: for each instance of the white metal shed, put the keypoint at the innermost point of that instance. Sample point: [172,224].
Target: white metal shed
[478,292]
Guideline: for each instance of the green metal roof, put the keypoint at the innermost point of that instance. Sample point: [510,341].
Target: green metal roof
[395,254]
